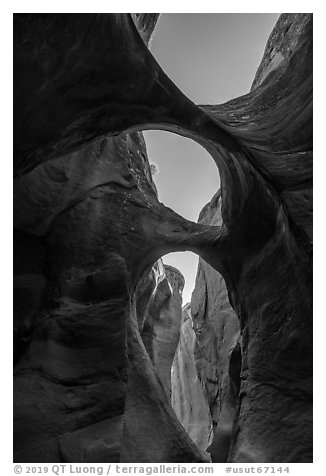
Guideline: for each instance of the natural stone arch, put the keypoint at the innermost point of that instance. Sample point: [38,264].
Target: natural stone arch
[263,244]
[221,130]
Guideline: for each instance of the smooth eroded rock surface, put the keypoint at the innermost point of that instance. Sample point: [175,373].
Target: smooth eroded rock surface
[188,398]
[217,336]
[82,366]
[89,229]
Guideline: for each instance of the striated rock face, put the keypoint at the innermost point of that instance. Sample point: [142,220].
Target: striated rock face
[167,328]
[188,399]
[161,329]
[217,341]
[89,228]
[207,365]
[283,41]
[90,400]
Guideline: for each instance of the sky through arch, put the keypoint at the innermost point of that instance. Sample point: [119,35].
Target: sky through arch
[212,58]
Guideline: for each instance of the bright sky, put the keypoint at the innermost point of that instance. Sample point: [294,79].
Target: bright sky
[212,58]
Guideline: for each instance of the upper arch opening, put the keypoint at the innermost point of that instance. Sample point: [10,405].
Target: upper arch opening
[186,175]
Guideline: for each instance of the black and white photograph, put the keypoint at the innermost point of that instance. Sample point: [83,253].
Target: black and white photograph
[162,242]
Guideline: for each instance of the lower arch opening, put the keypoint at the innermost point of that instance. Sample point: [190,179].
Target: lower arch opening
[187,263]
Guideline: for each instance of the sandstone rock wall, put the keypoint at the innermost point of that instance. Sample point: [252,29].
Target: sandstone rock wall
[160,330]
[206,369]
[188,399]
[217,335]
[89,227]
[167,329]
[85,388]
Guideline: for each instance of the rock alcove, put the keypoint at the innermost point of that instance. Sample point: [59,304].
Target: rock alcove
[89,234]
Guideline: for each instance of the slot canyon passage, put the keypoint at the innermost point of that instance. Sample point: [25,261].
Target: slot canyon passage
[98,320]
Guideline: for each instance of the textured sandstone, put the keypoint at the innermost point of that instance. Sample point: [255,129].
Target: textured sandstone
[89,227]
[206,371]
[188,399]
[167,328]
[217,336]
[160,329]
[103,402]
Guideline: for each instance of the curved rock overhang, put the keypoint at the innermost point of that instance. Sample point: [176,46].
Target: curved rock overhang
[82,79]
